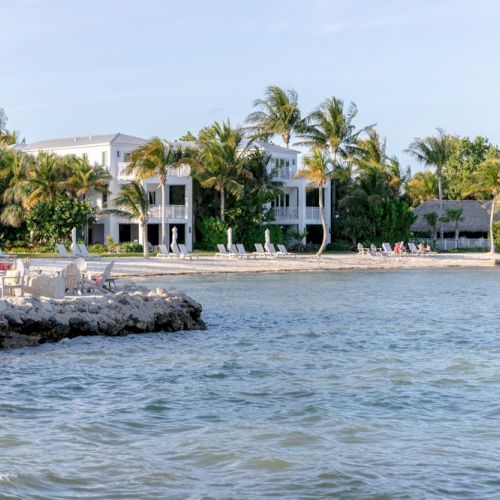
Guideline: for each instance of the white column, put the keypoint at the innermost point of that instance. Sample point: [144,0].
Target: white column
[328,210]
[301,198]
[112,229]
[189,228]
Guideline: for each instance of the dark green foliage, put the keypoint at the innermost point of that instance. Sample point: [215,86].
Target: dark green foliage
[51,221]
[213,231]
[129,247]
[97,248]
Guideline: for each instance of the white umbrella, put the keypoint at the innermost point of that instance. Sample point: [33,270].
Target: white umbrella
[229,238]
[267,236]
[73,236]
[174,237]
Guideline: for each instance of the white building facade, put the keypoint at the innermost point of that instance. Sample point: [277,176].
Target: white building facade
[290,209]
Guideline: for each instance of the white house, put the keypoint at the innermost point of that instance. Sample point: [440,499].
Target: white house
[291,209]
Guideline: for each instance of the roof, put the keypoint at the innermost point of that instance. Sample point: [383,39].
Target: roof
[272,148]
[475,215]
[88,140]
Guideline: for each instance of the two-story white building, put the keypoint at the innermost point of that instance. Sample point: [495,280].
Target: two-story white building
[291,209]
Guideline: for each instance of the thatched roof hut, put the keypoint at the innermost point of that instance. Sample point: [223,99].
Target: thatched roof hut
[475,216]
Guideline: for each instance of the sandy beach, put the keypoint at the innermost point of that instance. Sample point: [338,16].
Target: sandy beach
[130,267]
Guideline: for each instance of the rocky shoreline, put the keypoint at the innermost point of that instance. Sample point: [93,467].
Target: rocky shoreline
[27,321]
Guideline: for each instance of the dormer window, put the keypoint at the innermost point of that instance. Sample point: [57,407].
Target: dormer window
[118,154]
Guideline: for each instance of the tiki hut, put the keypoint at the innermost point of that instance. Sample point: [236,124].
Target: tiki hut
[474,223]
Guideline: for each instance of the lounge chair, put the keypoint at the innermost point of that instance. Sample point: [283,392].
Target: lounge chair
[185,252]
[259,250]
[233,250]
[362,250]
[374,251]
[414,250]
[99,284]
[63,252]
[272,251]
[72,278]
[222,251]
[283,251]
[17,282]
[243,253]
[387,250]
[85,253]
[163,251]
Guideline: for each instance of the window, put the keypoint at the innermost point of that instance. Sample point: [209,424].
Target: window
[293,162]
[104,158]
[177,195]
[126,157]
[85,156]
[118,154]
[105,197]
[287,200]
[152,197]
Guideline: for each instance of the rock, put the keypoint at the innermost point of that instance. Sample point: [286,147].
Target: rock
[28,321]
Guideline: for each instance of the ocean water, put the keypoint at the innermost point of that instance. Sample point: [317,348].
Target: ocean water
[310,385]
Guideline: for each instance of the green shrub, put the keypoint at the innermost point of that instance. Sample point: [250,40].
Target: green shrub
[213,231]
[340,246]
[257,235]
[97,248]
[128,247]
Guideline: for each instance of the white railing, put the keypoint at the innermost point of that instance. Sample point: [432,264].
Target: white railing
[171,211]
[181,171]
[287,213]
[462,242]
[282,173]
[313,213]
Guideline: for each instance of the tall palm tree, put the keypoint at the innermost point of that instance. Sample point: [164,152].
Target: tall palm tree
[485,182]
[153,158]
[131,203]
[421,187]
[434,151]
[13,172]
[221,161]
[279,114]
[330,126]
[84,178]
[318,172]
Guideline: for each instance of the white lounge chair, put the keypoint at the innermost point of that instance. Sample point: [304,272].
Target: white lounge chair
[63,252]
[414,250]
[163,251]
[243,253]
[85,253]
[222,251]
[362,250]
[387,250]
[272,251]
[185,252]
[234,251]
[282,249]
[259,250]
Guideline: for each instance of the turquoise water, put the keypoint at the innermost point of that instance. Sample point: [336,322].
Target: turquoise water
[350,384]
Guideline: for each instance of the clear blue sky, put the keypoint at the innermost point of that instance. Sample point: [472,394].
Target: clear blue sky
[155,67]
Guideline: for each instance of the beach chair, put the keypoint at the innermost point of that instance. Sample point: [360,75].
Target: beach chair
[374,251]
[272,251]
[61,249]
[387,250]
[283,251]
[99,284]
[18,279]
[83,252]
[414,250]
[185,252]
[259,250]
[175,251]
[362,250]
[234,251]
[163,251]
[75,250]
[243,253]
[222,251]
[72,278]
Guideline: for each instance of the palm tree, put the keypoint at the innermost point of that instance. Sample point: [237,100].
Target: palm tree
[432,220]
[279,114]
[154,158]
[84,178]
[221,161]
[434,151]
[318,172]
[454,215]
[330,126]
[132,204]
[486,183]
[421,187]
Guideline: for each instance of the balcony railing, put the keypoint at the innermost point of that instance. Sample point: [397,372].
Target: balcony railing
[171,211]
[313,213]
[282,173]
[181,171]
[285,213]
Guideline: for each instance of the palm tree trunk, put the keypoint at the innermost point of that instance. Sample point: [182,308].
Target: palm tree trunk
[334,192]
[492,234]
[222,204]
[143,227]
[323,222]
[163,224]
[440,194]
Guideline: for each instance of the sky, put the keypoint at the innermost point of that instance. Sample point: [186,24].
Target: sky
[154,67]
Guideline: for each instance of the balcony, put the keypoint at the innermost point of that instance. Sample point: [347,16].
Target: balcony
[285,213]
[181,171]
[284,173]
[171,212]
[313,213]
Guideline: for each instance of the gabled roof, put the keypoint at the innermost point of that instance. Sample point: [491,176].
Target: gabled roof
[88,140]
[272,148]
[475,215]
